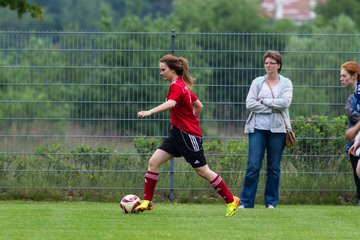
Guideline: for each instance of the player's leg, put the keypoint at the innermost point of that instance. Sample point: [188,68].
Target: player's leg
[151,177]
[358,174]
[158,158]
[191,148]
[355,163]
[220,187]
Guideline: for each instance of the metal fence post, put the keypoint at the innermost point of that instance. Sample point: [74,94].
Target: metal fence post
[171,193]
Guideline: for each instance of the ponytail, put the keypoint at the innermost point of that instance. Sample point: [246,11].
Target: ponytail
[181,67]
[186,74]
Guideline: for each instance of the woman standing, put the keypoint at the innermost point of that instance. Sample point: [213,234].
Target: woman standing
[268,100]
[185,137]
[349,77]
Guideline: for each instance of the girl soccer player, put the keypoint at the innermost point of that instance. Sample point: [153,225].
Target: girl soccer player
[185,138]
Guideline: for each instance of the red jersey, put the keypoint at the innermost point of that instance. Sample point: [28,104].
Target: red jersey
[182,115]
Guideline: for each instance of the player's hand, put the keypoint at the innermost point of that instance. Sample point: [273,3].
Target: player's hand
[143,114]
[352,150]
[354,147]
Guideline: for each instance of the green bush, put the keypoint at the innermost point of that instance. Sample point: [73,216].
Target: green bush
[317,163]
[320,145]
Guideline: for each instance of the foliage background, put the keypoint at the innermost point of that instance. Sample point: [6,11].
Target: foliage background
[53,84]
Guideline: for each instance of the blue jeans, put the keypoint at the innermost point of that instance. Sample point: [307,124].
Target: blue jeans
[274,144]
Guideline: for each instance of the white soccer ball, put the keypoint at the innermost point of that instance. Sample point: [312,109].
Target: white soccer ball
[129,203]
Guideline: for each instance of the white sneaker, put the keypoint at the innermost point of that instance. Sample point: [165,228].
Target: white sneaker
[241,206]
[270,206]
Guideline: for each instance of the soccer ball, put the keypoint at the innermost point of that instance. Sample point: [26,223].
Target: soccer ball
[129,203]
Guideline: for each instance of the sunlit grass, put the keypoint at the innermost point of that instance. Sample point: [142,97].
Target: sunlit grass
[44,220]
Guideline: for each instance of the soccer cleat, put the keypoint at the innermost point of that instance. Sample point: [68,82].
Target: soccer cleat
[231,207]
[145,205]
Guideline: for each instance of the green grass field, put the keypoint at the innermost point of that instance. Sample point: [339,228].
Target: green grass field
[49,220]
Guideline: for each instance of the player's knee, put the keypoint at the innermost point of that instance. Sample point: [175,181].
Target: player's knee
[205,173]
[153,165]
[200,172]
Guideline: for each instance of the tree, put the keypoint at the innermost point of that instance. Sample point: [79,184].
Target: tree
[235,17]
[219,16]
[38,92]
[22,7]
[313,52]
[334,8]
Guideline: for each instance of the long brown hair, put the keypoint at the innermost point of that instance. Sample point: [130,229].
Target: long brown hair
[181,66]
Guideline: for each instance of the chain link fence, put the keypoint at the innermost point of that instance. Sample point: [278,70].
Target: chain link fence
[69,102]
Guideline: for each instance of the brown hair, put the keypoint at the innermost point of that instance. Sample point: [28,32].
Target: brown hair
[274,55]
[180,66]
[352,68]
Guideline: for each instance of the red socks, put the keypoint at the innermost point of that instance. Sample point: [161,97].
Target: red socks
[217,183]
[151,179]
[222,189]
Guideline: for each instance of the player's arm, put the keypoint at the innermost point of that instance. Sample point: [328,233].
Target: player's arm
[197,107]
[351,110]
[351,132]
[196,104]
[162,107]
